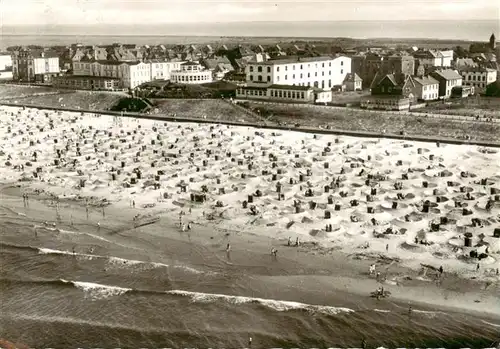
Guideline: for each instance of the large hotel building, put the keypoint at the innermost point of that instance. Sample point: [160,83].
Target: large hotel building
[312,77]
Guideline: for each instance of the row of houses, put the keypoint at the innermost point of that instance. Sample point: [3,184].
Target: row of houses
[400,91]
[111,75]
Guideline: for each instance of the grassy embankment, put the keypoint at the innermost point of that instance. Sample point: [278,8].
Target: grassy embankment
[341,119]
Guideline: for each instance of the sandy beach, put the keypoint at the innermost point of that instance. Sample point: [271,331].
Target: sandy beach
[113,189]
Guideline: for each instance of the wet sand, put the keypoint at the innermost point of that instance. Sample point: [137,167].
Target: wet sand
[304,274]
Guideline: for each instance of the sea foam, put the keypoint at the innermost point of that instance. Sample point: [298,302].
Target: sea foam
[277,305]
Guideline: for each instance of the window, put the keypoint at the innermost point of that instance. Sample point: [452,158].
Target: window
[329,83]
[268,69]
[330,72]
[251,77]
[322,73]
[322,65]
[286,68]
[293,67]
[251,70]
[301,75]
[277,69]
[341,63]
[323,84]
[293,76]
[341,71]
[259,77]
[315,73]
[302,95]
[308,75]
[301,67]
[259,69]
[268,79]
[286,77]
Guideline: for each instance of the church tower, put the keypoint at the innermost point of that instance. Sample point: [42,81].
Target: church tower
[493,42]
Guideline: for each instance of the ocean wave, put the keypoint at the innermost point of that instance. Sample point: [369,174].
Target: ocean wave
[491,324]
[97,291]
[115,261]
[278,305]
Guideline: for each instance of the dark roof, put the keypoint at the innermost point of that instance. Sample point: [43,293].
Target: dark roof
[85,77]
[109,62]
[290,87]
[45,54]
[296,60]
[352,77]
[189,63]
[254,88]
[395,79]
[476,69]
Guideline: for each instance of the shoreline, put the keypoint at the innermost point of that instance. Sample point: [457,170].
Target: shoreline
[348,278]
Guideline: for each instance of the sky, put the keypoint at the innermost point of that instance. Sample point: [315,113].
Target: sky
[132,12]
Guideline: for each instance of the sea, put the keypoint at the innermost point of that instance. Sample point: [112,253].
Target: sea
[462,30]
[70,287]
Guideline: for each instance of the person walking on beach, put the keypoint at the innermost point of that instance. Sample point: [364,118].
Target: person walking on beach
[133,203]
[441,270]
[289,241]
[410,310]
[372,269]
[73,251]
[297,242]
[273,252]
[228,248]
[387,248]
[477,268]
[189,226]
[183,228]
[98,226]
[249,342]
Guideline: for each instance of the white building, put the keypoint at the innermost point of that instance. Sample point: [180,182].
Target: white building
[448,79]
[478,77]
[161,70]
[285,93]
[320,72]
[434,58]
[29,65]
[191,73]
[5,66]
[426,88]
[132,74]
[5,61]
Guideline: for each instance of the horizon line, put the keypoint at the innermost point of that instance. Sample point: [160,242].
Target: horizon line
[323,38]
[257,21]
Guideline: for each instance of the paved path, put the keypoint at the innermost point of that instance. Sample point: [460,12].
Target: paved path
[316,130]
[400,113]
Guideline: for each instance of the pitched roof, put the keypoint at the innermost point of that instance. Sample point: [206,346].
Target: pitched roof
[290,60]
[447,74]
[395,79]
[426,80]
[352,77]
